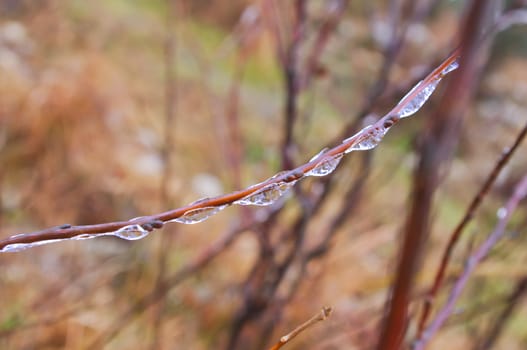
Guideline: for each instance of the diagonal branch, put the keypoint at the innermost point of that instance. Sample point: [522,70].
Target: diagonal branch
[472,262]
[264,193]
[320,316]
[474,205]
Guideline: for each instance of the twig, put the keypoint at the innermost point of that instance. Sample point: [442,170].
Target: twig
[165,241]
[469,214]
[472,262]
[291,81]
[320,316]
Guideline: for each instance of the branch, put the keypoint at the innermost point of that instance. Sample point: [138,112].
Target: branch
[320,316]
[472,262]
[505,21]
[439,141]
[264,193]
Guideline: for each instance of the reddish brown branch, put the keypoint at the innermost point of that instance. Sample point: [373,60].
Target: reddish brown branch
[155,221]
[439,142]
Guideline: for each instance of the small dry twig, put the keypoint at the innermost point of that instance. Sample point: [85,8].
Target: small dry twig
[320,316]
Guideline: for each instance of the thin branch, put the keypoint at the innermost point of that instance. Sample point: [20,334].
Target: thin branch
[320,316]
[291,81]
[165,241]
[365,139]
[439,142]
[472,262]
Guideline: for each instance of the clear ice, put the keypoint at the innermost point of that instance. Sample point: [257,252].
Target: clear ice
[198,215]
[451,67]
[130,232]
[318,155]
[373,136]
[267,195]
[325,166]
[17,247]
[419,100]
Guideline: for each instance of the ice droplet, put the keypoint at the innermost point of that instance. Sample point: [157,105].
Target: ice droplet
[84,236]
[17,247]
[325,166]
[451,67]
[267,195]
[195,216]
[419,100]
[372,138]
[130,232]
[318,155]
[501,213]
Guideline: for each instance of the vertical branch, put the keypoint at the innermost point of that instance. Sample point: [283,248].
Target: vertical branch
[291,83]
[249,28]
[234,152]
[170,100]
[440,140]
[168,147]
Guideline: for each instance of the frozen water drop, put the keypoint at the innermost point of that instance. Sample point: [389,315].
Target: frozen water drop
[370,140]
[17,247]
[501,213]
[325,166]
[281,173]
[451,67]
[267,195]
[85,236]
[318,155]
[412,106]
[195,216]
[131,232]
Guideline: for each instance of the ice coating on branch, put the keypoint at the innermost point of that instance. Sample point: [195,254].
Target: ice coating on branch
[451,67]
[130,232]
[198,215]
[318,155]
[326,166]
[419,100]
[17,247]
[368,138]
[267,195]
[372,137]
